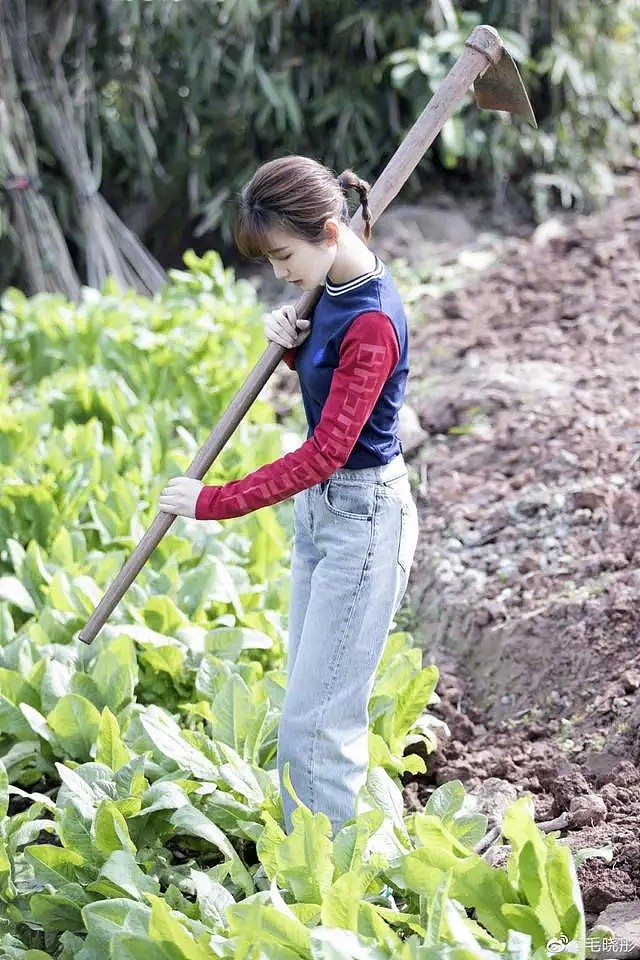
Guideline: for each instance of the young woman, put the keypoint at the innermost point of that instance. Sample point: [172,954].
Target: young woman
[355,520]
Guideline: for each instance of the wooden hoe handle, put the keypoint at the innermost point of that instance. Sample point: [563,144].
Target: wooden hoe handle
[483,49]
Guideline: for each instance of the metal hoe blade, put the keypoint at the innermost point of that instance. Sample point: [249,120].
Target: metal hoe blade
[501,88]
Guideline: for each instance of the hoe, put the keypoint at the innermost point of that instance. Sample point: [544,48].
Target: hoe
[497,86]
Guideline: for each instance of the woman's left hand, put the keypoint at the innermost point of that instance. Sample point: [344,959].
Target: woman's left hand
[180,496]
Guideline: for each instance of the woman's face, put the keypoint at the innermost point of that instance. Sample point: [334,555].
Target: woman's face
[299,261]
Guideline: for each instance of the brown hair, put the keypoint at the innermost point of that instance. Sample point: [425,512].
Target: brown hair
[297,195]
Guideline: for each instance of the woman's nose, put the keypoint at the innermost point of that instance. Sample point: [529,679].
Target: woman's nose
[279,271]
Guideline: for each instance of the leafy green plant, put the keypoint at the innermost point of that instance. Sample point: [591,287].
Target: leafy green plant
[140,812]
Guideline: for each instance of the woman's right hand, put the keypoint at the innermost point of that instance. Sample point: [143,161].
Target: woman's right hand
[283,326]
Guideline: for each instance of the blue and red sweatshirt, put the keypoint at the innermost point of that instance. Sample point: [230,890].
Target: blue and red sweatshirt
[353,369]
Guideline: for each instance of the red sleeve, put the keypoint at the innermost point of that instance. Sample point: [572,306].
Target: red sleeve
[368,354]
[290,358]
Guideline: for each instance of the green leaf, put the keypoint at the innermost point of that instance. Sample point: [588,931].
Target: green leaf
[457,810]
[473,882]
[446,800]
[61,549]
[56,913]
[14,692]
[469,828]
[437,911]
[161,614]
[564,890]
[212,898]
[123,946]
[262,728]
[74,831]
[79,792]
[530,874]
[332,944]
[351,840]
[166,928]
[277,932]
[523,918]
[115,672]
[7,626]
[163,795]
[13,949]
[168,659]
[60,594]
[167,738]
[521,831]
[4,791]
[188,821]
[75,722]
[232,709]
[387,797]
[122,875]
[54,865]
[111,832]
[110,748]
[105,919]
[229,642]
[13,592]
[412,701]
[414,764]
[195,589]
[303,860]
[37,723]
[223,588]
[341,903]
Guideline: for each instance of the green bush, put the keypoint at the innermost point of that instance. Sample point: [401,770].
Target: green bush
[344,81]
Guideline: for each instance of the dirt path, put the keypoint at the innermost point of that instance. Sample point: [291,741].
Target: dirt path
[526,584]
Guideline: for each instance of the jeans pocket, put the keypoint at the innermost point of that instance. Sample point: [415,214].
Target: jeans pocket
[408,535]
[351,501]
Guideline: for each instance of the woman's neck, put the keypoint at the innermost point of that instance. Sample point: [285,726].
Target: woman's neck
[352,259]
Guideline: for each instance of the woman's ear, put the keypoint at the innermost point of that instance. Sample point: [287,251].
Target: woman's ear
[331,231]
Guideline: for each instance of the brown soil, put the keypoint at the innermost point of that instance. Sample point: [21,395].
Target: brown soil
[527,577]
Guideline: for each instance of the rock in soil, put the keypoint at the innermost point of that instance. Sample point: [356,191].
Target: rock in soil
[623,919]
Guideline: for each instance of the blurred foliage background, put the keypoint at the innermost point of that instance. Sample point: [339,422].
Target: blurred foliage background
[172,105]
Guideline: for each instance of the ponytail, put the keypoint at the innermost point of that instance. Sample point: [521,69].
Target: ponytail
[349,180]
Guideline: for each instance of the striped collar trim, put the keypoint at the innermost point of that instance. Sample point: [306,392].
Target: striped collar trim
[335,289]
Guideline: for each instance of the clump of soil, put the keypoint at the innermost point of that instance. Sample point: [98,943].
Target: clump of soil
[526,584]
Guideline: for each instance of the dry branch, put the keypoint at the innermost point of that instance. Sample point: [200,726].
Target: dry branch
[110,248]
[46,261]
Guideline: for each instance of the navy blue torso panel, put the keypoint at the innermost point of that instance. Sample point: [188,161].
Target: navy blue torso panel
[319,355]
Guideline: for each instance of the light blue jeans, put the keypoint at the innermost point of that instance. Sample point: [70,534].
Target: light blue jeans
[355,538]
